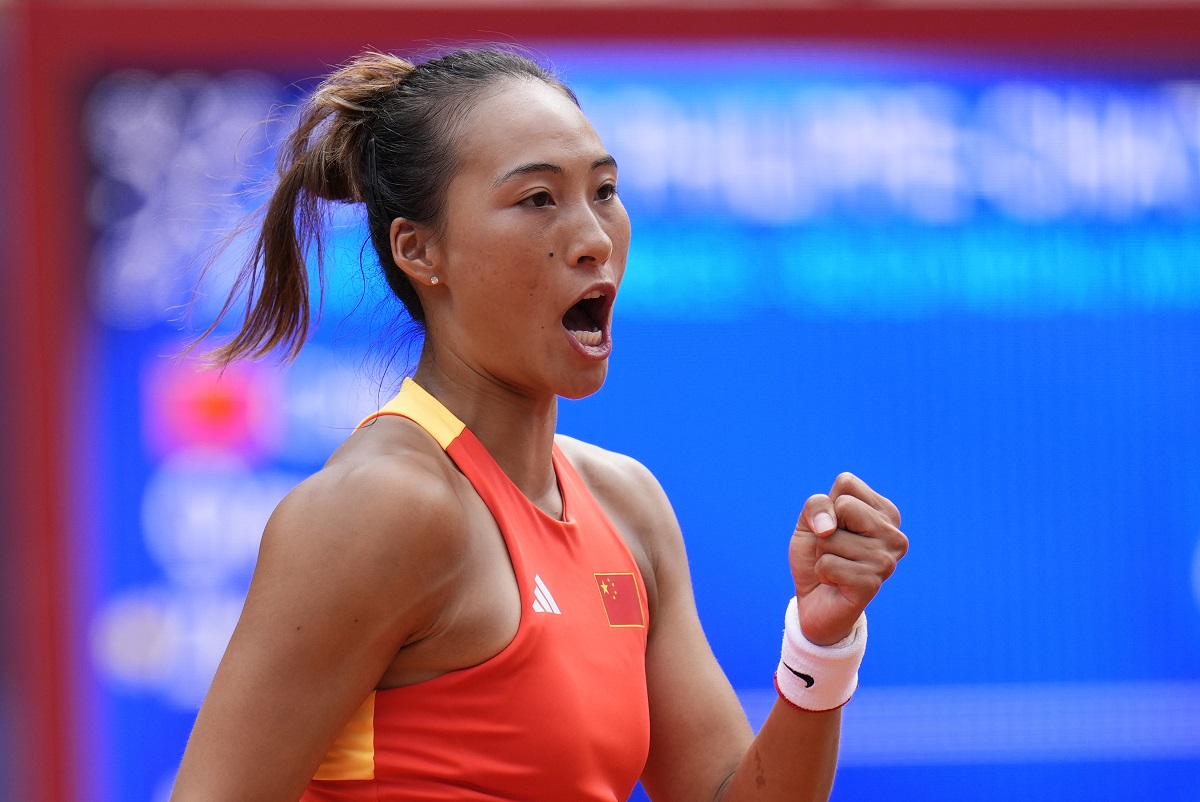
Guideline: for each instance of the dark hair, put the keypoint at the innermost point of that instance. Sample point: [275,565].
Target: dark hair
[378,131]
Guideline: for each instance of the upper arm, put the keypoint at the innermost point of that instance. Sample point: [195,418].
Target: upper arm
[698,732]
[333,598]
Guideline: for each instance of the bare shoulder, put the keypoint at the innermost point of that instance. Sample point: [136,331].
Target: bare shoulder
[638,506]
[620,482]
[385,503]
[355,564]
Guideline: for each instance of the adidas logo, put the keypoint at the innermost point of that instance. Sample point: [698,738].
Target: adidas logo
[543,602]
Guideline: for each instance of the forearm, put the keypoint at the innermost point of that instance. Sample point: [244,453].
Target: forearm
[846,544]
[793,758]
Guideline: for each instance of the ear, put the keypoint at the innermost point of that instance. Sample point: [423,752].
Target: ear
[411,251]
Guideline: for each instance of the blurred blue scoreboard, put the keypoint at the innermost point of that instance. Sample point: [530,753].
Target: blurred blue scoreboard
[974,284]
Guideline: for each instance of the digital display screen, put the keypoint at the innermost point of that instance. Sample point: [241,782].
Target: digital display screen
[974,284]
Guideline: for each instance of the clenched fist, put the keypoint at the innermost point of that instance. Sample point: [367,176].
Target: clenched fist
[845,545]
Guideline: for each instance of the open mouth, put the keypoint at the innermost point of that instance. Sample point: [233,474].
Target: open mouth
[586,320]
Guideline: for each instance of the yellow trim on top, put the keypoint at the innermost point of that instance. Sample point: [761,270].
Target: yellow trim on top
[415,403]
[352,756]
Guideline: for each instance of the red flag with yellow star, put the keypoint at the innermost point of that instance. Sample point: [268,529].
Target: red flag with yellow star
[622,603]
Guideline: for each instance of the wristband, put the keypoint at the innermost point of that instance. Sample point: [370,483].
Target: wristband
[818,678]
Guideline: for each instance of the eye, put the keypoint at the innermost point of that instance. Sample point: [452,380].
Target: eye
[538,199]
[606,191]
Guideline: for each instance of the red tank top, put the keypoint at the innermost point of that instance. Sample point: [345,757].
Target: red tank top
[561,713]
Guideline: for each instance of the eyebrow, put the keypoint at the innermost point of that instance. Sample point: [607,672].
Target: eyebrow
[546,167]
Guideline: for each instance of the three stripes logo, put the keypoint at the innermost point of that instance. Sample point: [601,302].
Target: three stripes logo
[543,601]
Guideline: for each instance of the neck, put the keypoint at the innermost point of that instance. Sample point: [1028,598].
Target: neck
[515,428]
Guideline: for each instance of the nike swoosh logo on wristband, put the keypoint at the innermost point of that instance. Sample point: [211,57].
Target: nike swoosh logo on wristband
[808,681]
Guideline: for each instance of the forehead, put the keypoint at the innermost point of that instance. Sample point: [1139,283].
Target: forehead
[521,122]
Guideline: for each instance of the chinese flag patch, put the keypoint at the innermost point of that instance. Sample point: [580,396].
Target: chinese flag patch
[622,603]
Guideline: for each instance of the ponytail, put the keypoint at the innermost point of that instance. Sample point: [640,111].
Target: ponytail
[321,161]
[378,131]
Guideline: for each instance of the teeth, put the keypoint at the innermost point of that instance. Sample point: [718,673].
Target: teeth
[588,337]
[596,294]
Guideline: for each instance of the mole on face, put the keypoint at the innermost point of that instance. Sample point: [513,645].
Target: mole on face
[551,253]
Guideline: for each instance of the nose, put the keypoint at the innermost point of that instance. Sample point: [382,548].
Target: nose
[592,243]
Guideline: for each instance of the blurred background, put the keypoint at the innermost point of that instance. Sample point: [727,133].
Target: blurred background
[952,246]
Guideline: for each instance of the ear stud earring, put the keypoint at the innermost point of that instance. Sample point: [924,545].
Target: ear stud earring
[433,279]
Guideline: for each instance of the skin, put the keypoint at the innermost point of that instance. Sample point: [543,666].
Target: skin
[385,568]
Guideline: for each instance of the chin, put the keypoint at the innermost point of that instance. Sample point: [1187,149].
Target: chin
[584,384]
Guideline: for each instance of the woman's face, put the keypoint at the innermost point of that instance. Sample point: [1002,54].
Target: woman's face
[533,247]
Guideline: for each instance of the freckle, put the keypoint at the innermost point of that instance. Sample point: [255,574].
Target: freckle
[297,629]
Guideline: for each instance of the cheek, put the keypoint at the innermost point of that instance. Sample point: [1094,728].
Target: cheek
[620,239]
[507,271]
[620,229]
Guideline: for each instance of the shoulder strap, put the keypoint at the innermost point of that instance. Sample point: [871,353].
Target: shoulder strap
[414,403]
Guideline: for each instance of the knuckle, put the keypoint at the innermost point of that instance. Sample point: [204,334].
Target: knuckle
[843,504]
[891,511]
[854,511]
[844,481]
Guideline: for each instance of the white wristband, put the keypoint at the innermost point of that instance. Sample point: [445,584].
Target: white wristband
[818,678]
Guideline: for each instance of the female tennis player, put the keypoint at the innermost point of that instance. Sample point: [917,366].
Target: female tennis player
[463,605]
